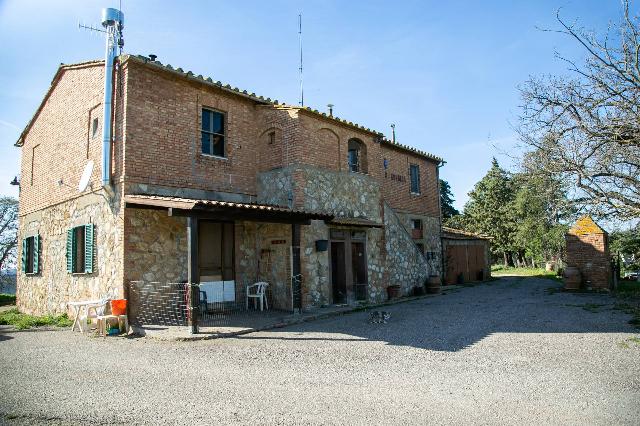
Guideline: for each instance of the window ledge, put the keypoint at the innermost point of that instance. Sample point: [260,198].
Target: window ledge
[415,193]
[215,157]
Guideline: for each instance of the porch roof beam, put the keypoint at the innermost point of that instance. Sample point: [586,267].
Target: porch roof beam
[231,215]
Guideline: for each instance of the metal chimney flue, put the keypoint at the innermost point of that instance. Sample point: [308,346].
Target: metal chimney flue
[113,23]
[330,106]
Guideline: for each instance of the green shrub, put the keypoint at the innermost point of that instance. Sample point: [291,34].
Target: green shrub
[23,321]
[7,299]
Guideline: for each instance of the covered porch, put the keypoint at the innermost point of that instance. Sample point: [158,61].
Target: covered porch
[194,263]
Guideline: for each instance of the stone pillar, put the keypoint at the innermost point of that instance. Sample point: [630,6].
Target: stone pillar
[588,250]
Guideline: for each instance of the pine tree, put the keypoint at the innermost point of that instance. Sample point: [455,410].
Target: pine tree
[446,201]
[490,210]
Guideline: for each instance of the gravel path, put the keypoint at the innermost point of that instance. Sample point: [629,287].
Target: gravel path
[504,352]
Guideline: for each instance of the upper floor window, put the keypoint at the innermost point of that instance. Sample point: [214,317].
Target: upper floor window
[414,174]
[213,133]
[357,156]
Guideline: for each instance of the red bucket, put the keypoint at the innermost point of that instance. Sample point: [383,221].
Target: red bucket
[119,306]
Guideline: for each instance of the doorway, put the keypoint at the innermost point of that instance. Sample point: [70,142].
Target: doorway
[216,261]
[349,279]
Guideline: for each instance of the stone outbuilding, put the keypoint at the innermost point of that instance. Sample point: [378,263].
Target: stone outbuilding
[588,250]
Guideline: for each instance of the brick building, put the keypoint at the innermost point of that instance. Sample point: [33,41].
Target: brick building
[588,250]
[216,185]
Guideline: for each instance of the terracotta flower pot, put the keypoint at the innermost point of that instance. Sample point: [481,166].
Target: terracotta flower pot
[393,291]
[433,285]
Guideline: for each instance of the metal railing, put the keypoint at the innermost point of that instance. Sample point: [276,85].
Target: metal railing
[214,304]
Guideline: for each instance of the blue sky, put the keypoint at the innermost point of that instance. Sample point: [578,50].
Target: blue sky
[446,73]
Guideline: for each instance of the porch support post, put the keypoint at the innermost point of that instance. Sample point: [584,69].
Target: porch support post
[193,274]
[296,280]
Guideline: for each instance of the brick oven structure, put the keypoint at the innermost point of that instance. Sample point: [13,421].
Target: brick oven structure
[588,250]
[214,184]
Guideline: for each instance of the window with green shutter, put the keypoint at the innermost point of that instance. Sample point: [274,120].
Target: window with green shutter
[70,250]
[80,249]
[88,248]
[31,255]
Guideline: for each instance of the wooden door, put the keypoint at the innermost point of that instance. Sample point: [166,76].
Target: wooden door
[338,272]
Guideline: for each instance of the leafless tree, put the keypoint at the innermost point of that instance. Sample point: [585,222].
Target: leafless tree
[8,230]
[586,127]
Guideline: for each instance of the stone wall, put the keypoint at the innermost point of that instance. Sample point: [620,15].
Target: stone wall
[276,187]
[156,246]
[406,266]
[263,253]
[431,238]
[343,194]
[53,287]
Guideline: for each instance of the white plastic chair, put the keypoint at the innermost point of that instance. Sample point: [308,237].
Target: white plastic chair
[258,294]
[99,309]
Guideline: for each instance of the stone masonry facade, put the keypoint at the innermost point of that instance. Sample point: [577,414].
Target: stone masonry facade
[274,154]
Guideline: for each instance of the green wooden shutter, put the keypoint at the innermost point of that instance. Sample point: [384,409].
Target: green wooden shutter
[88,248]
[71,253]
[36,254]
[24,255]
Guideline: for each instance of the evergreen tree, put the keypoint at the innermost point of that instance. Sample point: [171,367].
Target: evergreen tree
[446,200]
[489,210]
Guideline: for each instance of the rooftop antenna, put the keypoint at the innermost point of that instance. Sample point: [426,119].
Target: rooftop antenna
[330,109]
[393,132]
[300,69]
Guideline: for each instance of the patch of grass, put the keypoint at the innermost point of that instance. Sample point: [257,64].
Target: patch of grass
[631,309]
[7,299]
[628,289]
[625,343]
[500,270]
[24,321]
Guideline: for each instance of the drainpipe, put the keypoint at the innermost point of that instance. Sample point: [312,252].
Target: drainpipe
[113,22]
[442,271]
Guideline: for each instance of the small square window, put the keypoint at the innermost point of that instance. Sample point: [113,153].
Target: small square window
[213,133]
[94,128]
[416,224]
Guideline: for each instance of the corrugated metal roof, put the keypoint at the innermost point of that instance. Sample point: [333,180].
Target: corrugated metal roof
[458,234]
[196,204]
[355,221]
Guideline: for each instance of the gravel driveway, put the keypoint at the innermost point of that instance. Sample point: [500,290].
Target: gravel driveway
[504,352]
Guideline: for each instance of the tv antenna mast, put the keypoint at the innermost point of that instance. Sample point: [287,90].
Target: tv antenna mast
[300,69]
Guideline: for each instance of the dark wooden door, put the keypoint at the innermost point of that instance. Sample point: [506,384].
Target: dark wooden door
[338,272]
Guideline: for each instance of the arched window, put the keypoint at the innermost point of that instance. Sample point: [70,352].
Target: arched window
[357,156]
